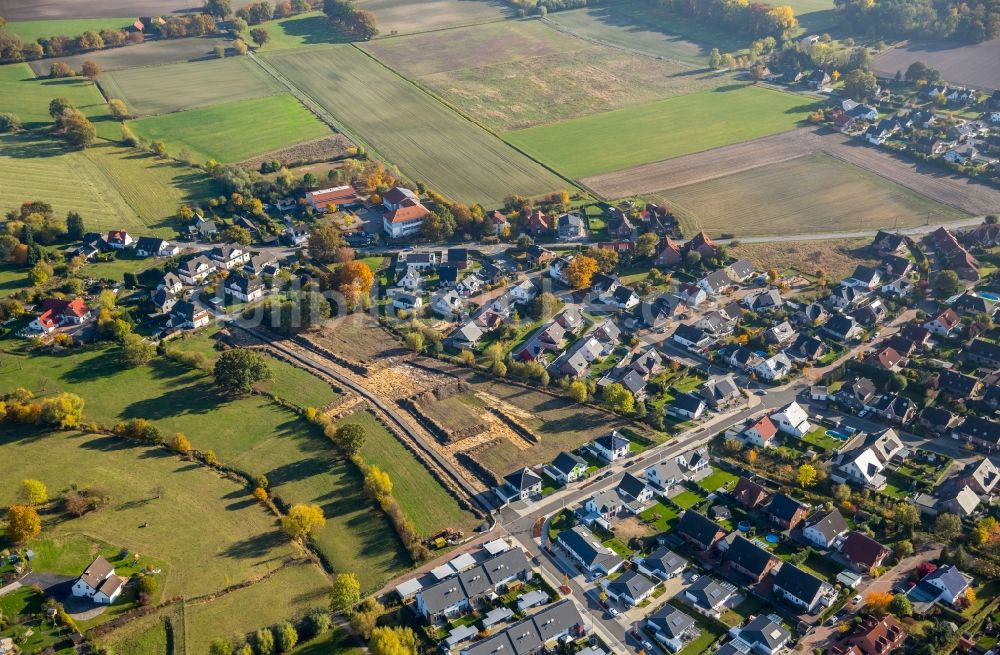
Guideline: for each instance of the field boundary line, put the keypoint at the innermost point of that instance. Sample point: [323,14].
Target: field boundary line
[461,114]
[389,37]
[590,39]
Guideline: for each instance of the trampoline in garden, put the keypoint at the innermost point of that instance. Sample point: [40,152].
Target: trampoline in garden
[772,538]
[743,526]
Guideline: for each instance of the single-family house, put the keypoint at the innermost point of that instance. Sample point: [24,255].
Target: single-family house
[227,256]
[195,270]
[522,484]
[708,595]
[748,493]
[99,583]
[611,447]
[721,392]
[244,289]
[863,552]
[785,511]
[570,227]
[698,530]
[630,588]
[567,467]
[764,635]
[688,406]
[586,548]
[119,239]
[842,327]
[951,582]
[945,324]
[792,420]
[824,528]
[801,589]
[662,563]
[665,474]
[672,627]
[749,560]
[761,433]
[186,315]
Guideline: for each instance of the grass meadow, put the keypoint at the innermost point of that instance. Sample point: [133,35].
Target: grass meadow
[32,30]
[422,498]
[815,193]
[426,139]
[310,28]
[234,131]
[661,130]
[29,98]
[189,85]
[487,72]
[208,532]
[154,634]
[251,434]
[410,16]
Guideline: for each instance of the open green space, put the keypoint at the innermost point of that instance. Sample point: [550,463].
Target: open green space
[26,601]
[32,30]
[150,53]
[661,515]
[233,131]
[29,98]
[287,594]
[426,139]
[250,434]
[424,501]
[12,278]
[148,634]
[204,531]
[717,480]
[335,642]
[811,193]
[687,499]
[617,139]
[34,166]
[176,87]
[310,28]
[820,439]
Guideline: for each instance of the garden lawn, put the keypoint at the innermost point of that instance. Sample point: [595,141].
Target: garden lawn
[820,439]
[718,479]
[234,131]
[147,634]
[28,98]
[667,516]
[687,499]
[12,278]
[184,86]
[640,134]
[286,595]
[204,531]
[424,501]
[31,30]
[408,127]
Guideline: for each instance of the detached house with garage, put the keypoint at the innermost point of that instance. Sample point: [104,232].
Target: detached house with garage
[802,590]
[762,433]
[630,588]
[792,420]
[244,289]
[585,547]
[611,447]
[823,529]
[567,467]
[99,583]
[863,552]
[709,596]
[522,484]
[672,627]
[662,563]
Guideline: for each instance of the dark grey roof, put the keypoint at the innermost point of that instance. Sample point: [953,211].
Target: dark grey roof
[565,462]
[709,593]
[950,577]
[631,486]
[663,559]
[798,583]
[522,479]
[529,635]
[748,555]
[612,441]
[670,621]
[587,547]
[475,581]
[631,583]
[783,507]
[765,631]
[688,402]
[830,524]
[698,527]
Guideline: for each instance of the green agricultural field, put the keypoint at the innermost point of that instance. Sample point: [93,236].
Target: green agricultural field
[424,501]
[189,85]
[152,187]
[487,71]
[288,594]
[33,166]
[206,532]
[29,98]
[815,193]
[32,30]
[632,25]
[234,131]
[660,130]
[400,122]
[150,53]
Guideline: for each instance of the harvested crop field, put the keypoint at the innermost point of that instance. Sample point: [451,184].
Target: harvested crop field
[650,132]
[837,257]
[325,149]
[928,180]
[633,26]
[407,17]
[188,85]
[14,10]
[234,131]
[489,71]
[150,53]
[811,194]
[976,65]
[426,139]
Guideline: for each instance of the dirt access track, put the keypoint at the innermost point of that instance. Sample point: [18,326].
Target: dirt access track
[926,179]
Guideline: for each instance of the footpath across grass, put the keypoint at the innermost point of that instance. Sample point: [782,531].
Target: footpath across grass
[669,128]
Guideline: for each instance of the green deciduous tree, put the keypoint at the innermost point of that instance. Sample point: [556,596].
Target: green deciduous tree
[238,369]
[135,351]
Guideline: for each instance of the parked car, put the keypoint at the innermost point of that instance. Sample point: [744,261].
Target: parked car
[613,611]
[856,600]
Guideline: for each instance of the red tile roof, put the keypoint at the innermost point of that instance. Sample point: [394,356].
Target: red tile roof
[341,195]
[407,213]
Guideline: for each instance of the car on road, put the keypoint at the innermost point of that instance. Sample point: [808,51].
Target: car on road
[856,600]
[628,464]
[761,392]
[613,611]
[648,646]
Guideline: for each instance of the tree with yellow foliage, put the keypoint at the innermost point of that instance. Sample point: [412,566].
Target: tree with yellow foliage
[878,602]
[580,271]
[393,641]
[23,524]
[301,520]
[807,476]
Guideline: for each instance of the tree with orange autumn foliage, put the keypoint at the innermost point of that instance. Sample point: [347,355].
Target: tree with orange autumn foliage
[878,602]
[580,271]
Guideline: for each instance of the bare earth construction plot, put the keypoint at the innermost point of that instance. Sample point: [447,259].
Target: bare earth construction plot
[976,65]
[513,75]
[425,138]
[812,193]
[668,128]
[188,85]
[950,193]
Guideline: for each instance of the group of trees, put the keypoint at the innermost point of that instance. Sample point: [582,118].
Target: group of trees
[63,411]
[754,19]
[13,48]
[971,21]
[71,123]
[357,23]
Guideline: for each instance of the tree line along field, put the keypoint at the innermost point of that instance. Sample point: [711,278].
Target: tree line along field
[426,139]
[233,131]
[31,30]
[661,130]
[150,53]
[251,434]
[176,87]
[488,71]
[810,194]
[410,16]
